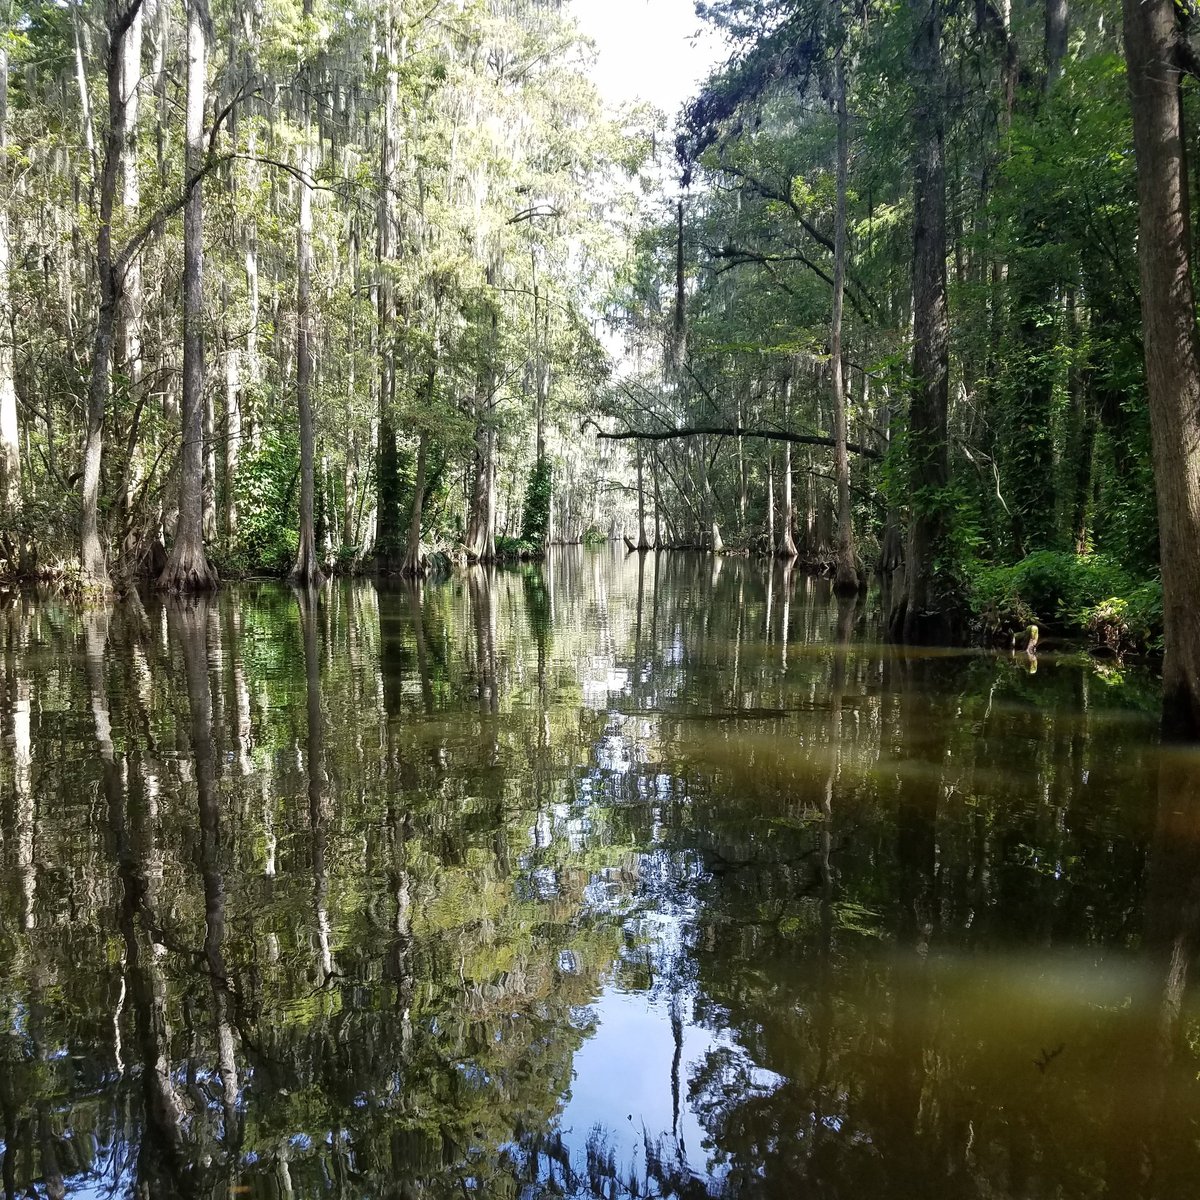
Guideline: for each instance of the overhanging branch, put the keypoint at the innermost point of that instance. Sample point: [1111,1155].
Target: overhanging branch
[770,435]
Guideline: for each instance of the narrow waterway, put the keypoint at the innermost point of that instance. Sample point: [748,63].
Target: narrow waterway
[616,876]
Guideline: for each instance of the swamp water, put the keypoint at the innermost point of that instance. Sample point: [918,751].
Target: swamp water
[617,876]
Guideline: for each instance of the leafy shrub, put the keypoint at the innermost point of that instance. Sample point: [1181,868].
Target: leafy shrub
[267,507]
[1121,623]
[1087,593]
[535,521]
[1043,587]
[510,549]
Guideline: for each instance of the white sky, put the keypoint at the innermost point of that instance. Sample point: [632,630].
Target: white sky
[647,49]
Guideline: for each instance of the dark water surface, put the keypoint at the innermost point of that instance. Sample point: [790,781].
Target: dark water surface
[617,877]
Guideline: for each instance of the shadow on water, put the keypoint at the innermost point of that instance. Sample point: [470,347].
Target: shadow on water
[645,875]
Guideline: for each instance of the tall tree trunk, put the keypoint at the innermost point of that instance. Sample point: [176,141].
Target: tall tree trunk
[481,529]
[129,312]
[10,443]
[306,570]
[925,608]
[92,561]
[846,573]
[233,424]
[771,500]
[249,399]
[642,543]
[785,548]
[387,525]
[209,499]
[188,569]
[657,504]
[679,316]
[414,561]
[85,103]
[1056,40]
[539,376]
[1171,345]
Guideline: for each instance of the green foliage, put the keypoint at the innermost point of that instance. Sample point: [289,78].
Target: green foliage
[1087,594]
[267,515]
[511,549]
[1130,622]
[535,520]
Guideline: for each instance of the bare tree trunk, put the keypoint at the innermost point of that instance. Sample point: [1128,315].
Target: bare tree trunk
[188,569]
[233,426]
[489,520]
[1056,40]
[85,103]
[1171,345]
[10,438]
[307,570]
[846,573]
[253,363]
[785,548]
[92,560]
[743,476]
[209,522]
[479,479]
[657,505]
[642,543]
[387,523]
[679,316]
[481,533]
[414,561]
[129,312]
[925,609]
[771,500]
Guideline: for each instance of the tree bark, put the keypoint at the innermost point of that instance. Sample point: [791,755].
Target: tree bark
[92,560]
[129,312]
[10,438]
[387,525]
[785,548]
[925,607]
[1056,40]
[233,426]
[481,530]
[846,573]
[771,500]
[306,570]
[414,560]
[249,399]
[1172,349]
[188,569]
[657,504]
[642,542]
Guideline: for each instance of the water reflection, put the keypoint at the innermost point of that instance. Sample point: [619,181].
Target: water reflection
[621,876]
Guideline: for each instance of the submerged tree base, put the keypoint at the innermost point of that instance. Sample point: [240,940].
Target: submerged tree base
[189,571]
[306,571]
[1181,713]
[848,582]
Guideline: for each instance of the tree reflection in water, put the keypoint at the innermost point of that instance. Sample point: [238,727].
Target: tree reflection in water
[621,876]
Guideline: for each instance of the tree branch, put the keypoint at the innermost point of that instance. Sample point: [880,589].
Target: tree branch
[770,435]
